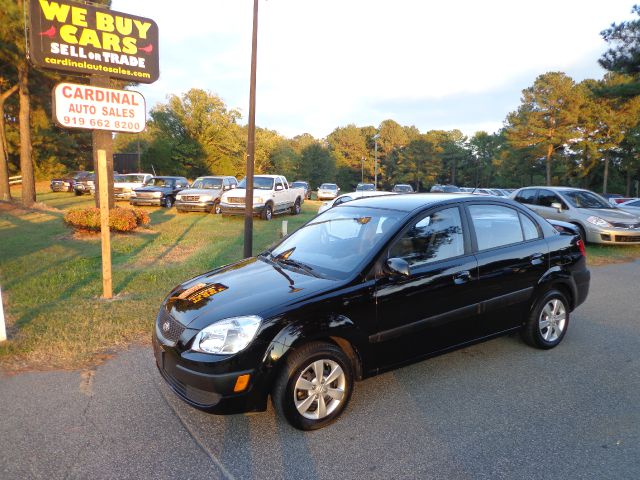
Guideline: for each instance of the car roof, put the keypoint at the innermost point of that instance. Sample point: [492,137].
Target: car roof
[409,203]
[558,189]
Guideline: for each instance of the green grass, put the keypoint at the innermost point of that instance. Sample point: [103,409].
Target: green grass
[605,254]
[51,279]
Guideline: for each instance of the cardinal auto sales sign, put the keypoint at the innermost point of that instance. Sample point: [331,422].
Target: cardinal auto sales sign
[91,40]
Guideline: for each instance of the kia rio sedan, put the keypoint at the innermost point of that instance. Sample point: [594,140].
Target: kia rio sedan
[365,287]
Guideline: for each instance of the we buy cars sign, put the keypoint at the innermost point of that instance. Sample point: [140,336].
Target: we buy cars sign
[97,108]
[91,40]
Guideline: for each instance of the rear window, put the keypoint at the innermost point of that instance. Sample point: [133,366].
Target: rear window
[527,196]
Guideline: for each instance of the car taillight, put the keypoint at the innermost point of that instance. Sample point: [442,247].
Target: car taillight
[581,247]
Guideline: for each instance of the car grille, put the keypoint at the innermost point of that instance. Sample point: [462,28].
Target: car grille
[144,194]
[169,328]
[625,225]
[627,238]
[238,200]
[191,198]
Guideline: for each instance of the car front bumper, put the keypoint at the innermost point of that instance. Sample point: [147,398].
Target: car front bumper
[194,206]
[157,202]
[611,236]
[238,209]
[209,386]
[326,196]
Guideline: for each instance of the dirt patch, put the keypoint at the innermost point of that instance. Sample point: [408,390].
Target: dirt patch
[18,209]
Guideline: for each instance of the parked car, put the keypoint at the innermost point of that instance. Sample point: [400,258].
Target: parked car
[127,183]
[85,184]
[303,185]
[366,287]
[204,194]
[65,183]
[347,197]
[117,178]
[444,189]
[159,191]
[328,191]
[597,220]
[365,187]
[618,201]
[631,206]
[271,195]
[402,188]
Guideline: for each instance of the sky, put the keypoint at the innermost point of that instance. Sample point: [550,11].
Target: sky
[323,64]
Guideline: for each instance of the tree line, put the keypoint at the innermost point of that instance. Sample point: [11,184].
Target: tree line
[582,134]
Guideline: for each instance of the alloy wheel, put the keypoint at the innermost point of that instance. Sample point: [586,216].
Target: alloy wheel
[553,319]
[319,389]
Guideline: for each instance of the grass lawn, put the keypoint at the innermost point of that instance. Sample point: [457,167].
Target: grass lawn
[51,279]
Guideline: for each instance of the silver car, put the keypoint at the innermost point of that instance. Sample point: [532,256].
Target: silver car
[631,206]
[328,191]
[597,220]
[204,194]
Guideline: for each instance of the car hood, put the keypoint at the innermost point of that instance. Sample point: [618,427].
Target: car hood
[610,214]
[249,287]
[201,191]
[128,184]
[154,189]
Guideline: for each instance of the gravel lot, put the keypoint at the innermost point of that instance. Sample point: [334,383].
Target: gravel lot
[494,410]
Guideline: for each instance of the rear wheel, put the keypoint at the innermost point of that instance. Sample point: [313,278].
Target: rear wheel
[314,386]
[548,321]
[267,213]
[583,234]
[295,210]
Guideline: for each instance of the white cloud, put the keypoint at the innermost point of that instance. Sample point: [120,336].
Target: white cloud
[327,63]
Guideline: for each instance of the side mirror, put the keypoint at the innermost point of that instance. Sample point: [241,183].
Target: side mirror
[557,206]
[399,266]
[279,188]
[233,186]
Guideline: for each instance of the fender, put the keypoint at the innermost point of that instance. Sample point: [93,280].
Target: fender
[554,276]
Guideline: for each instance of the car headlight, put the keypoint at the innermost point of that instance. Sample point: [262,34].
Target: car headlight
[600,222]
[133,194]
[206,198]
[157,194]
[227,336]
[178,197]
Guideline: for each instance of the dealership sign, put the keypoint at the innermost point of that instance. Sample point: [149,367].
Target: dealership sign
[97,108]
[82,38]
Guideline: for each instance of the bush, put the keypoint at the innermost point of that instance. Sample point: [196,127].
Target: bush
[120,219]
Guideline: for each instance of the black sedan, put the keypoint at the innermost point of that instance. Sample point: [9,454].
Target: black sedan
[159,191]
[365,287]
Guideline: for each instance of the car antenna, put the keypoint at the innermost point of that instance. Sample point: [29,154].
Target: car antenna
[153,170]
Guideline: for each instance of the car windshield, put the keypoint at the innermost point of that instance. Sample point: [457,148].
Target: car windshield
[259,183]
[208,183]
[119,178]
[161,182]
[365,187]
[337,242]
[81,175]
[133,178]
[582,199]
[329,186]
[402,188]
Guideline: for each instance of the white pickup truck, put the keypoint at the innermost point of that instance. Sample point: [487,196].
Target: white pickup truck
[130,181]
[272,194]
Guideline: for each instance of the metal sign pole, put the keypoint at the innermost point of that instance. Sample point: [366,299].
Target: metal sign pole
[103,188]
[3,330]
[248,199]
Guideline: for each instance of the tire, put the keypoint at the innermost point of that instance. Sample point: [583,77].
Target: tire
[537,332]
[77,192]
[168,202]
[267,213]
[295,210]
[216,210]
[294,403]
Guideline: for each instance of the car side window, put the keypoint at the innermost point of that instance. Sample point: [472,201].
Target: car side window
[527,196]
[547,197]
[529,228]
[435,237]
[279,184]
[342,200]
[495,226]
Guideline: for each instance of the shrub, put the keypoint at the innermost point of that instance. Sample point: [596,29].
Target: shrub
[120,219]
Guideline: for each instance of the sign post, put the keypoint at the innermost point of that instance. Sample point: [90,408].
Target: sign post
[3,330]
[107,290]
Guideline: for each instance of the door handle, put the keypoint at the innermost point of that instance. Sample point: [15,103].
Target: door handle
[537,259]
[461,278]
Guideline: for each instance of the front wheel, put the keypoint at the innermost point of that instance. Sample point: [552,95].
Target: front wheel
[168,202]
[548,321]
[217,210]
[267,213]
[314,386]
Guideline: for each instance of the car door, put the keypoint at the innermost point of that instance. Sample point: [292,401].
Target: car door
[545,208]
[433,308]
[279,195]
[512,256]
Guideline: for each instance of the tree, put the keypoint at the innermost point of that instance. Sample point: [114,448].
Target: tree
[317,165]
[417,163]
[624,55]
[547,118]
[349,147]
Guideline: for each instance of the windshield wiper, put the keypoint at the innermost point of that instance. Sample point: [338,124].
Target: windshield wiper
[296,264]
